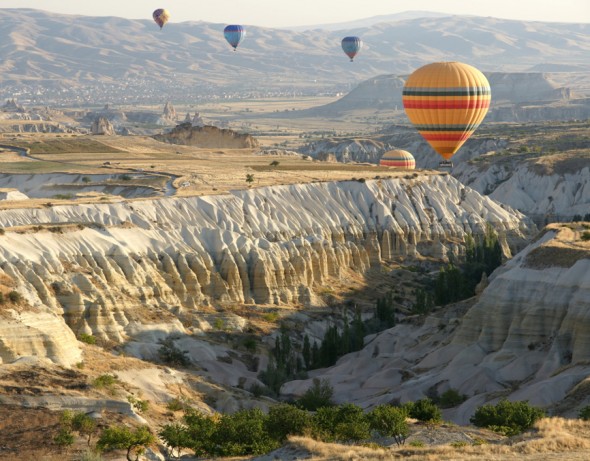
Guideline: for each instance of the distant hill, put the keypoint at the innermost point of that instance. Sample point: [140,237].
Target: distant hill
[508,89]
[368,22]
[63,52]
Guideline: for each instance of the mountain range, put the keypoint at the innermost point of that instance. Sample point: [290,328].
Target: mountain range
[64,52]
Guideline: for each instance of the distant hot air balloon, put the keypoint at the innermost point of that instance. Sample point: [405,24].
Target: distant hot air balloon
[398,158]
[446,102]
[351,46]
[234,34]
[161,16]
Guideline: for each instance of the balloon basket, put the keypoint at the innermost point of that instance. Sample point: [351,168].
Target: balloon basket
[445,165]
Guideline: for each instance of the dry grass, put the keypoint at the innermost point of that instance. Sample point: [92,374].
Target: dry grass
[564,250]
[552,439]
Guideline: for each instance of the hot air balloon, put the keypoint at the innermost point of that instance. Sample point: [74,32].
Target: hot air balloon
[234,34]
[398,158]
[351,46]
[446,102]
[161,16]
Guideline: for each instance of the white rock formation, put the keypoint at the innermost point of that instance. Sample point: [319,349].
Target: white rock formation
[146,261]
[554,193]
[525,339]
[102,126]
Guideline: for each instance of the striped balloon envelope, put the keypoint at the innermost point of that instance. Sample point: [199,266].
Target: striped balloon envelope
[398,158]
[446,102]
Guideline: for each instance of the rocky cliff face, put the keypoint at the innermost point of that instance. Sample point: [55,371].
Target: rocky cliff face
[161,262]
[208,137]
[525,339]
[553,188]
[350,150]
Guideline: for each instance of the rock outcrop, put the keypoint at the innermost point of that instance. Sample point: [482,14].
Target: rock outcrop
[347,150]
[547,189]
[207,136]
[169,114]
[102,126]
[160,261]
[524,339]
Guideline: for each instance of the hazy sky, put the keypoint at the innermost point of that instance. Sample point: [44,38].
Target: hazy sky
[281,13]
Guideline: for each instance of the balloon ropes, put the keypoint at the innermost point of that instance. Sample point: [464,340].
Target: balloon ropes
[446,102]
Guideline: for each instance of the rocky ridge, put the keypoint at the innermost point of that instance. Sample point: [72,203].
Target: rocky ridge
[207,136]
[524,338]
[118,271]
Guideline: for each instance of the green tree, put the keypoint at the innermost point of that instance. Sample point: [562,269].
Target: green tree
[451,398]
[341,423]
[249,178]
[584,413]
[200,431]
[425,410]
[243,433]
[317,396]
[284,420]
[134,440]
[389,421]
[170,354]
[175,437]
[306,352]
[85,425]
[508,418]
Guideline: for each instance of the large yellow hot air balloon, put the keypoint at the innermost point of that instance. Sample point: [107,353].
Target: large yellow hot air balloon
[446,102]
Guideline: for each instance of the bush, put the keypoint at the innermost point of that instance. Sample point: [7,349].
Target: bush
[172,355]
[586,236]
[285,419]
[15,296]
[341,423]
[243,434]
[451,398]
[64,438]
[105,381]
[86,338]
[389,421]
[140,405]
[585,413]
[508,418]
[424,410]
[200,431]
[317,396]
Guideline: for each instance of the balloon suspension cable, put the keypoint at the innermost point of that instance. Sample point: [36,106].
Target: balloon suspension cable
[351,60]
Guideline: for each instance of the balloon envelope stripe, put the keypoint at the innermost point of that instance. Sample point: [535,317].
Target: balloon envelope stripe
[476,91]
[446,137]
[429,104]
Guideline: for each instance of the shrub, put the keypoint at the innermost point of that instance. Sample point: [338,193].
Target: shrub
[389,421]
[417,443]
[15,296]
[86,179]
[586,236]
[172,355]
[341,423]
[64,438]
[284,420]
[86,338]
[2,231]
[508,418]
[84,425]
[242,434]
[105,381]
[451,398]
[125,177]
[585,413]
[175,405]
[317,396]
[424,410]
[140,405]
